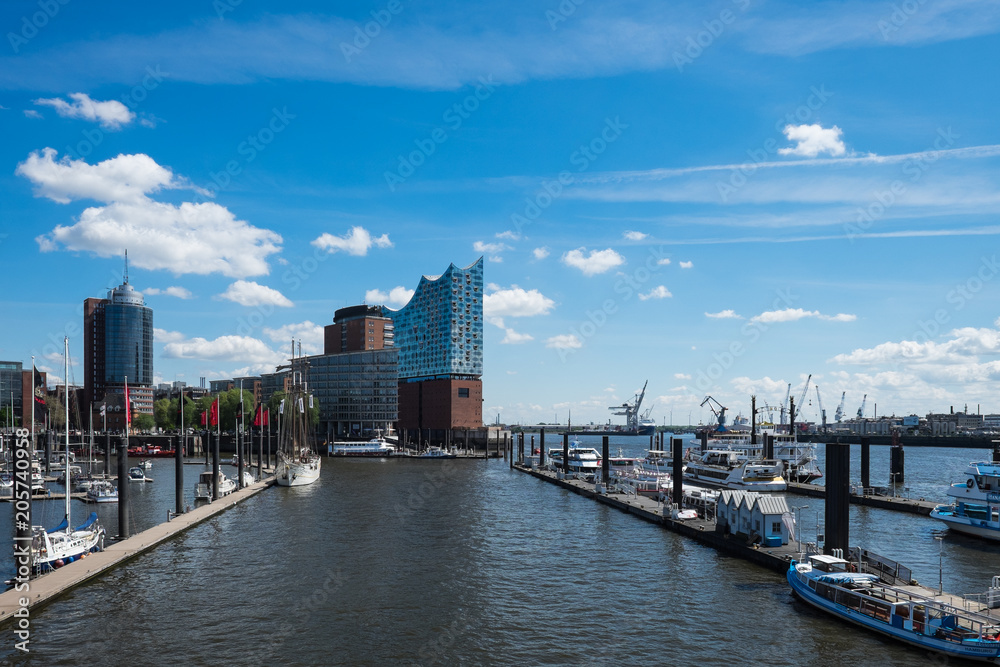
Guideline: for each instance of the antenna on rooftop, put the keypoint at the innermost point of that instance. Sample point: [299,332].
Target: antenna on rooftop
[126,266]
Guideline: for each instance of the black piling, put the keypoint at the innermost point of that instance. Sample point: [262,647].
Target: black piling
[677,476]
[753,420]
[260,455]
[866,465]
[838,497]
[566,453]
[215,466]
[123,507]
[241,449]
[769,446]
[605,463]
[48,451]
[179,475]
[896,460]
[791,415]
[703,436]
[541,447]
[107,453]
[996,451]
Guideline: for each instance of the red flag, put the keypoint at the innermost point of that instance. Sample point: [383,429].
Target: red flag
[204,418]
[267,413]
[257,417]
[213,417]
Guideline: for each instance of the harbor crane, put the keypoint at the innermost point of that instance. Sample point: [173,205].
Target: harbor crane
[839,414]
[861,410]
[630,409]
[720,414]
[802,399]
[784,404]
[822,412]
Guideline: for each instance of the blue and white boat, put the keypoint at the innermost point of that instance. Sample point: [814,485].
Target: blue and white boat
[976,510]
[834,585]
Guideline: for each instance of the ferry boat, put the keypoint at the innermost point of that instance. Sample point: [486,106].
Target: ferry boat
[833,585]
[976,510]
[583,461]
[725,468]
[374,447]
[798,459]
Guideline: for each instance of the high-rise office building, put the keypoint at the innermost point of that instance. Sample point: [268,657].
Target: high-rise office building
[118,344]
[439,335]
[11,393]
[358,328]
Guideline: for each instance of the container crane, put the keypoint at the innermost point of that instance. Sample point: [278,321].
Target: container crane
[630,410]
[822,412]
[802,399]
[784,404]
[861,410]
[720,414]
[839,414]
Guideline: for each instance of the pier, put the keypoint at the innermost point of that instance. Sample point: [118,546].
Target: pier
[49,586]
[894,503]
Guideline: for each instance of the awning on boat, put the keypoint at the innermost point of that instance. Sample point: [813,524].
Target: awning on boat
[91,520]
[61,527]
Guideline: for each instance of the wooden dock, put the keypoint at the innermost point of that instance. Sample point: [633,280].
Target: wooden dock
[896,504]
[48,496]
[50,586]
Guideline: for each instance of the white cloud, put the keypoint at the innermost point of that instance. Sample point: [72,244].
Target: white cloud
[564,342]
[189,238]
[111,114]
[516,302]
[682,376]
[356,242]
[593,263]
[308,333]
[658,292]
[225,348]
[793,314]
[31,113]
[540,253]
[685,265]
[164,336]
[397,296]
[663,262]
[728,314]
[511,337]
[178,292]
[249,293]
[635,236]
[813,140]
[510,235]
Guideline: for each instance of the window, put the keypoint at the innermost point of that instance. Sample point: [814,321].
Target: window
[463,392]
[775,527]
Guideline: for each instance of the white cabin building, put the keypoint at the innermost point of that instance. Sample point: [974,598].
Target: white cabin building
[761,517]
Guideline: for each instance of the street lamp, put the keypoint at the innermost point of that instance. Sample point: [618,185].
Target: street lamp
[798,529]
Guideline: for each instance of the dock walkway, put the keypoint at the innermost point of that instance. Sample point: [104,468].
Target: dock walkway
[52,585]
[896,504]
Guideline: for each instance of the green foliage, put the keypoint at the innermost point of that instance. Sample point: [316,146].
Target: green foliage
[143,422]
[5,413]
[57,412]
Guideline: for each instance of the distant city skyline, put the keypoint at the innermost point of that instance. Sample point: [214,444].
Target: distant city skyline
[720,198]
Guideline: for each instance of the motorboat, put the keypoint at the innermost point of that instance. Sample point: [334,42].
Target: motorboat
[584,462]
[798,459]
[435,452]
[137,474]
[841,588]
[376,447]
[146,464]
[102,491]
[976,509]
[203,488]
[726,468]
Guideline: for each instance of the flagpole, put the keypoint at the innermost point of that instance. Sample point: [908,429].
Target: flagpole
[33,398]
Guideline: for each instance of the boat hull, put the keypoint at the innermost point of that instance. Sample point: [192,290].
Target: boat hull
[968,525]
[299,472]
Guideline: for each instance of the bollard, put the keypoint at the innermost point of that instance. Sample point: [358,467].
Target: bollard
[838,497]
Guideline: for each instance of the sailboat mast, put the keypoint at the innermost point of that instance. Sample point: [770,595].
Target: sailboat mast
[66,399]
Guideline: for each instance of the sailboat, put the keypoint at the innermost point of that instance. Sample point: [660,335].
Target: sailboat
[53,548]
[298,464]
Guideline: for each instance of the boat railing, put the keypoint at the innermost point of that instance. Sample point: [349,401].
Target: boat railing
[888,571]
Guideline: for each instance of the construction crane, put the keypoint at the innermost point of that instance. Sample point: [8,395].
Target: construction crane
[630,410]
[839,414]
[802,399]
[861,410]
[784,404]
[720,414]
[822,412]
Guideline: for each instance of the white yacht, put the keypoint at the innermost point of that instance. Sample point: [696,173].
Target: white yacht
[976,510]
[583,461]
[203,489]
[798,459]
[375,447]
[725,468]
[102,491]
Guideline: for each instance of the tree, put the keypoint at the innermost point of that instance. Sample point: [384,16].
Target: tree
[143,422]
[57,413]
[163,415]
[5,414]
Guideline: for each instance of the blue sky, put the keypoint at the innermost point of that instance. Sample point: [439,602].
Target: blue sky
[719,197]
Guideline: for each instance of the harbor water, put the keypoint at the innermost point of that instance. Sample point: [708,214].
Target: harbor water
[466,562]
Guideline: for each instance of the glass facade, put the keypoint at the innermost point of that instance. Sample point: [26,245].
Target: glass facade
[10,386]
[439,332]
[128,338]
[357,391]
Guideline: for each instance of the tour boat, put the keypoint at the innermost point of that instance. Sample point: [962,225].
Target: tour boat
[203,489]
[976,510]
[62,545]
[583,461]
[102,491]
[798,459]
[298,463]
[376,447]
[834,585]
[725,468]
